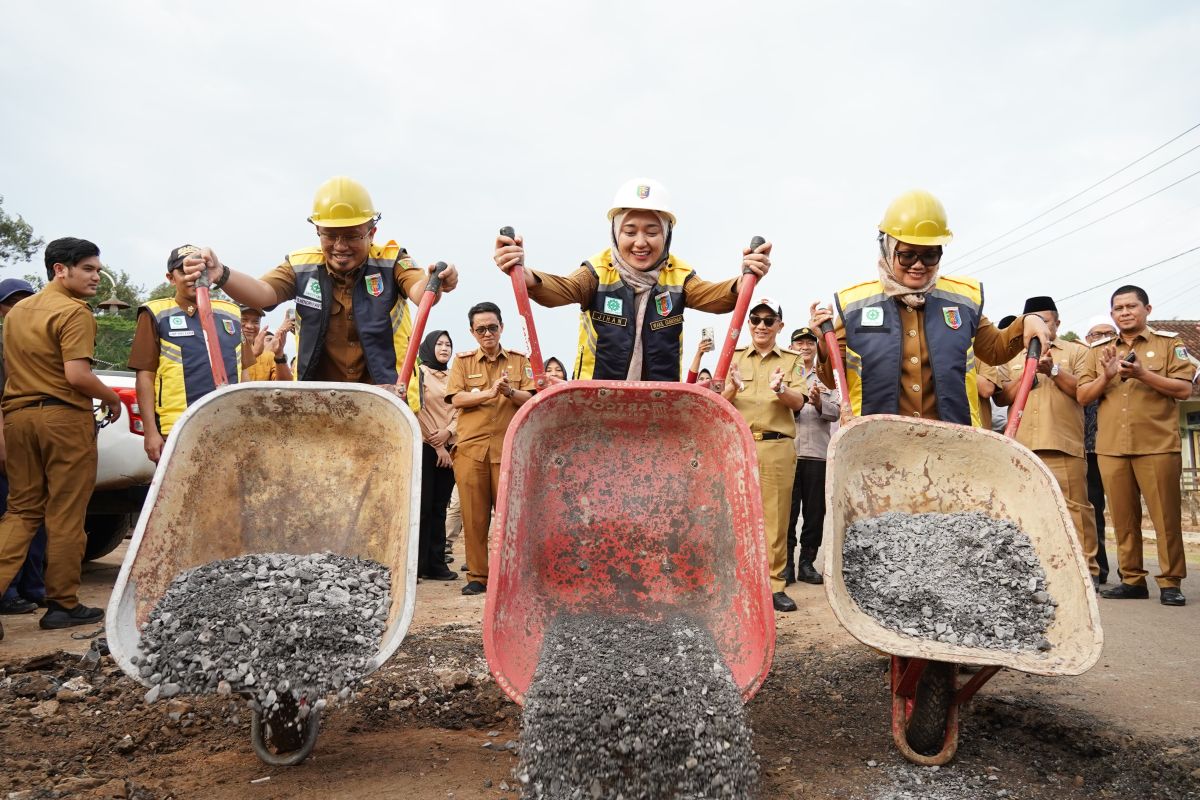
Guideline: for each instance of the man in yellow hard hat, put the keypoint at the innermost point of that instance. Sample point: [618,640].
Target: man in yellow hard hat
[911,337]
[632,294]
[351,294]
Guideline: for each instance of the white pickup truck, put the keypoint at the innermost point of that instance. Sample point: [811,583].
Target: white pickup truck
[123,472]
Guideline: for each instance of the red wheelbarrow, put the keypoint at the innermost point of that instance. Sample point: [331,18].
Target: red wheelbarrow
[628,498]
[892,463]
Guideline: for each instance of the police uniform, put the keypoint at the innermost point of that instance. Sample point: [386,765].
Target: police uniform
[50,436]
[896,355]
[480,443]
[169,341]
[774,427]
[608,315]
[1138,449]
[1052,427]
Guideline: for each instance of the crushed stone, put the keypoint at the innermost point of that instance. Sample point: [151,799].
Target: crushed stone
[626,708]
[282,630]
[963,578]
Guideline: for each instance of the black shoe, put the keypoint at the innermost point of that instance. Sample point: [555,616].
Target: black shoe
[59,617]
[1171,596]
[474,587]
[463,568]
[1,632]
[789,575]
[443,575]
[782,602]
[449,559]
[18,605]
[1126,591]
[808,573]
[1103,577]
[1096,582]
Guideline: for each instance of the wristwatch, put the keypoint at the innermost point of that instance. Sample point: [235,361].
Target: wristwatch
[1054,370]
[782,388]
[280,359]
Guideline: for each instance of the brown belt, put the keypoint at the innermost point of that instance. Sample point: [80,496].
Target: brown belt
[770,435]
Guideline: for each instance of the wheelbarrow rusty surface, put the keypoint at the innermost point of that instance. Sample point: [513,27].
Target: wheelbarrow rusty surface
[278,468]
[891,463]
[628,498]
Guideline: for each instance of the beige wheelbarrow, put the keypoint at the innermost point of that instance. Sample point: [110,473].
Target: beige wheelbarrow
[890,463]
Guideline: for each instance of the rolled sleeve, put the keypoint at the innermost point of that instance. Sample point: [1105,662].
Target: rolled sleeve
[552,291]
[713,298]
[283,280]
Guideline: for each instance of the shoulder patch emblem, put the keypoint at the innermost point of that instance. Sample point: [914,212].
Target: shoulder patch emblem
[952,317]
[374,284]
[1181,352]
[662,303]
[227,324]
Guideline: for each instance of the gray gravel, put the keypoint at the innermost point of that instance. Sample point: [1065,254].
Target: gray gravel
[954,782]
[624,708]
[267,626]
[963,578]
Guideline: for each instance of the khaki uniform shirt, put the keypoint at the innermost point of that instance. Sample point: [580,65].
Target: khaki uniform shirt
[436,414]
[1053,420]
[263,368]
[917,397]
[762,409]
[580,287]
[342,358]
[41,334]
[481,428]
[1134,419]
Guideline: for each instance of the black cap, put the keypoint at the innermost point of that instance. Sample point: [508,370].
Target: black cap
[175,260]
[1006,321]
[804,333]
[1035,304]
[252,310]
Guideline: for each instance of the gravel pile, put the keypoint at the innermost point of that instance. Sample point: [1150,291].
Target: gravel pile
[623,708]
[962,578]
[276,628]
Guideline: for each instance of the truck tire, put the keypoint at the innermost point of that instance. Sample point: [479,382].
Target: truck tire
[931,708]
[105,532]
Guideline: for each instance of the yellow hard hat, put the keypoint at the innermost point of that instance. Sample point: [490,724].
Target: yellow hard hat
[916,217]
[342,202]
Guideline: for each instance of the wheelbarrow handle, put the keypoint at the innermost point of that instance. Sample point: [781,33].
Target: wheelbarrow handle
[209,328]
[1017,410]
[521,293]
[432,287]
[745,292]
[839,366]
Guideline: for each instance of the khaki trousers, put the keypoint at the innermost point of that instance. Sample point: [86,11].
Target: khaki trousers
[51,474]
[776,472]
[1156,477]
[1071,474]
[477,482]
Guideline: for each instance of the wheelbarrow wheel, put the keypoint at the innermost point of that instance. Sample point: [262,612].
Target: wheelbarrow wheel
[926,732]
[280,738]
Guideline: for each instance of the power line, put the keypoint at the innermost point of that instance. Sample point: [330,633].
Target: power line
[1081,193]
[1178,295]
[1127,274]
[1085,226]
[1102,197]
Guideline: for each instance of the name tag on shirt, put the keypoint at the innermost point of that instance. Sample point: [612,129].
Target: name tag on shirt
[174,334]
[304,301]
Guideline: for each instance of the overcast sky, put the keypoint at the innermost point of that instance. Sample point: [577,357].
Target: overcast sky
[144,125]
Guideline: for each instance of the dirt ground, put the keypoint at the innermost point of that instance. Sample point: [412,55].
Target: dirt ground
[432,723]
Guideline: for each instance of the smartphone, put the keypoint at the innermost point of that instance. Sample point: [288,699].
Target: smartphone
[290,315]
[1129,359]
[707,333]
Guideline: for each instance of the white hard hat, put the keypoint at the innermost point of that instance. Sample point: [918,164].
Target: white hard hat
[642,193]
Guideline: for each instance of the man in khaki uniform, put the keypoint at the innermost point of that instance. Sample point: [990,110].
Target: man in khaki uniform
[1137,440]
[1052,424]
[270,363]
[486,386]
[49,343]
[766,385]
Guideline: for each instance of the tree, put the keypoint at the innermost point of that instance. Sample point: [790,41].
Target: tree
[17,242]
[1070,336]
[164,289]
[118,283]
[36,281]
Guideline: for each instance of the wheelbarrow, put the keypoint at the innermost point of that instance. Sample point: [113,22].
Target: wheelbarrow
[281,467]
[631,498]
[888,463]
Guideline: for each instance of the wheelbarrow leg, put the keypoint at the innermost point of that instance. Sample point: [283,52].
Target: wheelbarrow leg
[279,739]
[924,693]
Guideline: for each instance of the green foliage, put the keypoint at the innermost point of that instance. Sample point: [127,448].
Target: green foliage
[17,242]
[1070,336]
[118,283]
[38,282]
[114,338]
[164,289]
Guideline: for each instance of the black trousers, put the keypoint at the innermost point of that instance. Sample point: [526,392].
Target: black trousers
[1095,489]
[437,484]
[808,493]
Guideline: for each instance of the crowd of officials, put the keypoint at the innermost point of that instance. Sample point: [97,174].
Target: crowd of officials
[1102,417]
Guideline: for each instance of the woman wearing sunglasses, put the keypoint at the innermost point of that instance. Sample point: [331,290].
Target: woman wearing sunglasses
[632,294]
[911,337]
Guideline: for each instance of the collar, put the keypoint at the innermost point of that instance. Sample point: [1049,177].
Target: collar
[344,278]
[482,356]
[753,351]
[188,308]
[57,288]
[1143,334]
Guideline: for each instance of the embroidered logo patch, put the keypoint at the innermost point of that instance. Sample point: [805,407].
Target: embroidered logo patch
[228,325]
[178,322]
[872,317]
[374,285]
[1180,351]
[613,305]
[953,317]
[643,191]
[313,289]
[662,302]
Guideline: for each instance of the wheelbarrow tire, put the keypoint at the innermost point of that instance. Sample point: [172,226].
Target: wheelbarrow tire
[279,739]
[926,731]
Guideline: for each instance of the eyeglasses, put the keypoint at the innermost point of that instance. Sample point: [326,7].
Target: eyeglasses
[929,258]
[1097,335]
[756,320]
[344,238]
[483,330]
